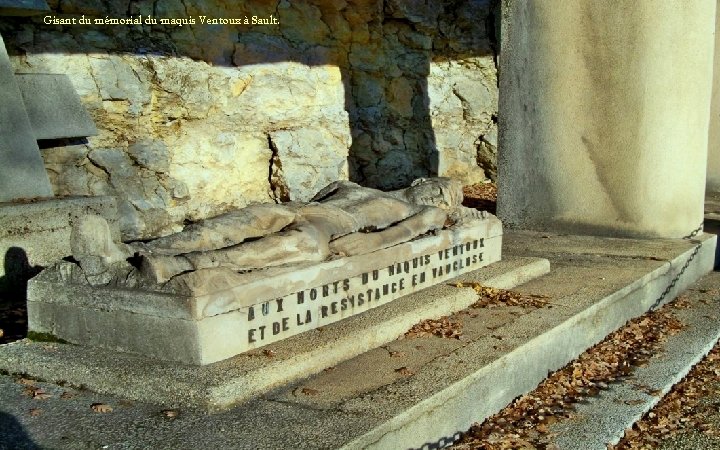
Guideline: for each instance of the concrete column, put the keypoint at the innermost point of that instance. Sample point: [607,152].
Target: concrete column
[604,113]
[713,173]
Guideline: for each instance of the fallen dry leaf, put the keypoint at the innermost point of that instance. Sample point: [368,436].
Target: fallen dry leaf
[34,412]
[101,407]
[170,413]
[67,395]
[40,394]
[404,371]
[397,354]
[26,381]
[490,297]
[309,391]
[441,327]
[269,353]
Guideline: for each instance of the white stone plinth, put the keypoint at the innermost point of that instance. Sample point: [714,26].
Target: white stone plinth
[231,313]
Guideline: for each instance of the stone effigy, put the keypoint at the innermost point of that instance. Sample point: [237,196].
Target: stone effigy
[254,276]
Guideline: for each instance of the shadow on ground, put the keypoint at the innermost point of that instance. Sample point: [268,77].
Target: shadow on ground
[13,435]
[713,226]
[13,294]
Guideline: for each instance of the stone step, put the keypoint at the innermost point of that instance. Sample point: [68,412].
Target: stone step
[413,392]
[604,418]
[250,374]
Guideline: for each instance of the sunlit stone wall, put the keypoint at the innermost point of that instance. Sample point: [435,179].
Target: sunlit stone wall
[195,119]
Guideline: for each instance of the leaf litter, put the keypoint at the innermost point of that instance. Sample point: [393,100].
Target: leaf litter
[441,327]
[490,297]
[686,408]
[101,407]
[525,422]
[481,196]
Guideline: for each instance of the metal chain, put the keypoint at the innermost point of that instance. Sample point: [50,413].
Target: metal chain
[674,281]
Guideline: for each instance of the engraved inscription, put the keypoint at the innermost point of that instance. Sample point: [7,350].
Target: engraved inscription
[321,305]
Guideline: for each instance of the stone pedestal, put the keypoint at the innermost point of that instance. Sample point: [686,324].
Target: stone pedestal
[713,172]
[604,115]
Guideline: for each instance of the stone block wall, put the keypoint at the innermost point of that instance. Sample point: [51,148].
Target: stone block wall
[196,119]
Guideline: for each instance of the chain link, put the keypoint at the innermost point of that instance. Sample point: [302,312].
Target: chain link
[674,281]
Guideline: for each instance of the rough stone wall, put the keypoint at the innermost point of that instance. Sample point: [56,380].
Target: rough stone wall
[425,92]
[195,120]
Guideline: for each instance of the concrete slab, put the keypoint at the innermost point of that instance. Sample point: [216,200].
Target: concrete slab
[22,171]
[53,107]
[505,353]
[604,419]
[38,233]
[245,376]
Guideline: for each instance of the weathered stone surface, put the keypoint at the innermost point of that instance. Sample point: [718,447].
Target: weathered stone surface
[307,159]
[22,173]
[53,107]
[429,219]
[227,313]
[226,230]
[35,235]
[463,105]
[214,99]
[264,236]
[596,171]
[225,267]
[92,246]
[217,386]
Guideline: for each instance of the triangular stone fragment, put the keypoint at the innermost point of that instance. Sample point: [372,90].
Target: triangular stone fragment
[22,172]
[53,107]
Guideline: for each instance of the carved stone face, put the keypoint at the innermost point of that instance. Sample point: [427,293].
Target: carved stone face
[445,193]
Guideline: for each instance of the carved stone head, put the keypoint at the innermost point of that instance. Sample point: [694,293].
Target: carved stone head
[445,193]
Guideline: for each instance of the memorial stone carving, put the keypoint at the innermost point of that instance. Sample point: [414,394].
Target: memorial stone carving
[253,276]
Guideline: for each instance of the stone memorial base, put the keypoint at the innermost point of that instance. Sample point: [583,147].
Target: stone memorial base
[214,314]
[37,233]
[251,374]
